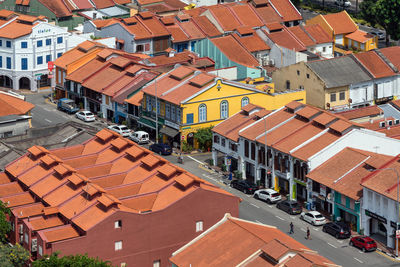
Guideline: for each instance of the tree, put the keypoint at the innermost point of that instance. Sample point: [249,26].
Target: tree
[5,226]
[385,13]
[13,256]
[204,137]
[70,261]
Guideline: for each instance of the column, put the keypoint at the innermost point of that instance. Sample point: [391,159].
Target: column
[292,188]
[274,184]
[242,168]
[214,156]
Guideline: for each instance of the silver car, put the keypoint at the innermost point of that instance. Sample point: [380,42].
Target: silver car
[121,129]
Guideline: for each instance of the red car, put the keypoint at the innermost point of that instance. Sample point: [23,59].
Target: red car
[365,243]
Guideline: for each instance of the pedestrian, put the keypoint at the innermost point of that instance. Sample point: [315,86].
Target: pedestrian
[291,228]
[308,234]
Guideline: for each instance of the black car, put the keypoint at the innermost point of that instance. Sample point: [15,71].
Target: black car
[337,229]
[290,206]
[244,186]
[162,149]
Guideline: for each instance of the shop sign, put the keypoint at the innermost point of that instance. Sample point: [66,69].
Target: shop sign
[375,216]
[171,124]
[397,234]
[322,190]
[393,224]
[190,135]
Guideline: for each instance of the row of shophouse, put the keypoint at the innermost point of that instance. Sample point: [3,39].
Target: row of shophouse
[334,165]
[122,87]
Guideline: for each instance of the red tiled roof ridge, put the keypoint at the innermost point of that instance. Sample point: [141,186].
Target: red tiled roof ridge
[385,165]
[234,220]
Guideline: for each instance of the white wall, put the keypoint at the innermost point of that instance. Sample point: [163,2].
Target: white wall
[360,139]
[362,93]
[226,73]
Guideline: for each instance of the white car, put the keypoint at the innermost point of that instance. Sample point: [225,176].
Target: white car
[121,129]
[313,217]
[85,115]
[344,3]
[140,137]
[268,195]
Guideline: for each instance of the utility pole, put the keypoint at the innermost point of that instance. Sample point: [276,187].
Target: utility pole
[155,88]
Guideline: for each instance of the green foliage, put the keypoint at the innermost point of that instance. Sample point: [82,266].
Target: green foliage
[70,261]
[13,256]
[385,13]
[5,226]
[186,147]
[204,137]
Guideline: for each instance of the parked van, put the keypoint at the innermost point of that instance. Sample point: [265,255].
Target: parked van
[140,137]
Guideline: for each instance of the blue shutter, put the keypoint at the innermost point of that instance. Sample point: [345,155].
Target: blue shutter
[59,40]
[189,118]
[24,44]
[48,58]
[48,41]
[39,43]
[1,42]
[24,63]
[8,44]
[1,61]
[39,60]
[8,63]
[59,54]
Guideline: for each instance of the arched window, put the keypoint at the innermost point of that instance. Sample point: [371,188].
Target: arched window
[245,101]
[202,113]
[224,109]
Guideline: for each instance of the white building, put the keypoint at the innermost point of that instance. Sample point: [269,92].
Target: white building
[27,44]
[379,206]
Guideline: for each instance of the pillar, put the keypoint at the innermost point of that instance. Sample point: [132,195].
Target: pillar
[292,184]
[242,168]
[273,175]
[214,156]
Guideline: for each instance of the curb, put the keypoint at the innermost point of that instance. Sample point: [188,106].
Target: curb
[387,253]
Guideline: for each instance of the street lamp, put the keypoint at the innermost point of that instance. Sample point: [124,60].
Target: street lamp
[398,211]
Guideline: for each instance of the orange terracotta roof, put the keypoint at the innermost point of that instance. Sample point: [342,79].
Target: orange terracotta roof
[308,112]
[234,51]
[40,223]
[340,125]
[28,210]
[360,36]
[224,17]
[244,239]
[246,15]
[5,13]
[266,12]
[363,112]
[136,99]
[286,39]
[287,10]
[18,199]
[252,42]
[324,118]
[320,36]
[294,105]
[343,172]
[11,105]
[392,54]
[59,233]
[206,26]
[375,64]
[274,26]
[340,22]
[58,7]
[301,35]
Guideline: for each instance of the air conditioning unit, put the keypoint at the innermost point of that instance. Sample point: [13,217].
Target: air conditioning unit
[34,245]
[271,62]
[21,229]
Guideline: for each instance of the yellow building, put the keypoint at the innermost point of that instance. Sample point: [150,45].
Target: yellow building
[345,33]
[188,99]
[327,82]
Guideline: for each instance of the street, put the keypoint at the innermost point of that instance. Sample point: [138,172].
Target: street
[338,251]
[250,209]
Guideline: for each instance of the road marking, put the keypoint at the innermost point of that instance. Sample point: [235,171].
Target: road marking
[65,117]
[279,218]
[356,259]
[332,245]
[340,241]
[49,121]
[316,229]
[258,221]
[254,205]
[302,229]
[360,252]
[198,161]
[47,109]
[248,196]
[269,206]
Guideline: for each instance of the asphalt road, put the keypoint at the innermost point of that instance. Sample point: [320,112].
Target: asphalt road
[251,209]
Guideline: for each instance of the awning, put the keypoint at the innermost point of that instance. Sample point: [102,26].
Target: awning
[171,132]
[147,123]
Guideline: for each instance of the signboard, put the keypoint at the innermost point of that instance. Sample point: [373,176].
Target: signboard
[50,76]
[375,216]
[38,74]
[322,190]
[50,65]
[183,138]
[397,234]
